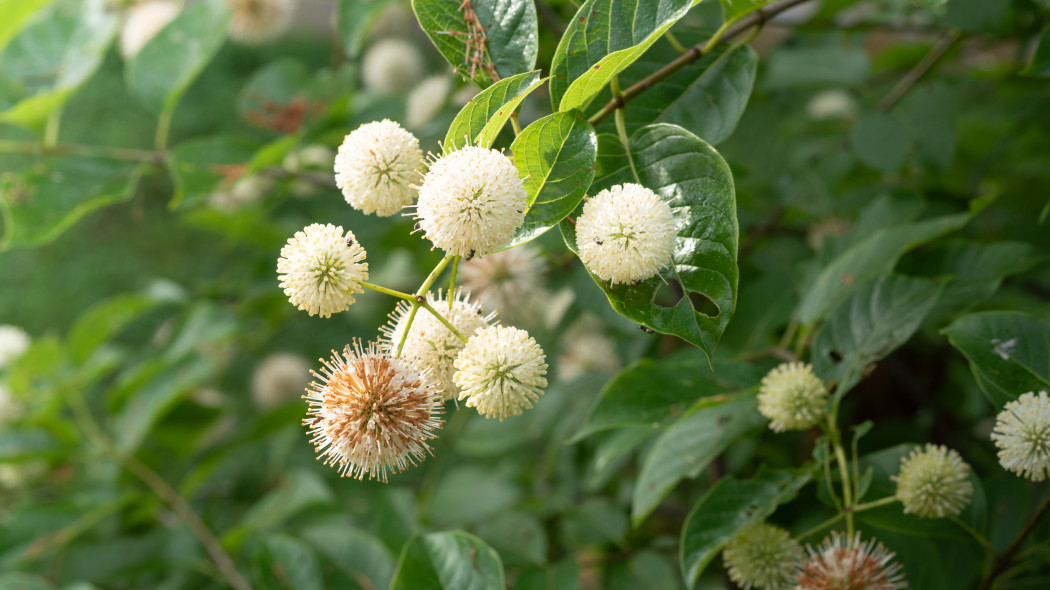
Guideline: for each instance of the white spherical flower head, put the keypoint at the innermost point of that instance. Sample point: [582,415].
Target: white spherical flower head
[426,100]
[392,66]
[1022,434]
[500,371]
[371,413]
[278,378]
[429,342]
[761,556]
[626,234]
[503,280]
[934,482]
[847,563]
[321,269]
[376,166]
[13,343]
[792,397]
[258,21]
[144,20]
[471,202]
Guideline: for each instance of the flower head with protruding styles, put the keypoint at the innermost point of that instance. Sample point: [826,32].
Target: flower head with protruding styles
[842,564]
[471,202]
[1022,434]
[430,343]
[792,397]
[144,20]
[320,269]
[761,556]
[258,21]
[392,66]
[933,482]
[503,280]
[376,166]
[625,234]
[279,377]
[13,343]
[370,413]
[500,371]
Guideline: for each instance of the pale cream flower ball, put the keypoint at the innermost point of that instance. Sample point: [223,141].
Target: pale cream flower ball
[500,372]
[933,482]
[321,269]
[792,397]
[1022,435]
[376,167]
[761,556]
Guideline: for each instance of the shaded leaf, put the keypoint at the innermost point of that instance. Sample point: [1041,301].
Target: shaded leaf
[204,165]
[1039,65]
[353,551]
[452,560]
[14,14]
[882,141]
[354,19]
[293,563]
[481,120]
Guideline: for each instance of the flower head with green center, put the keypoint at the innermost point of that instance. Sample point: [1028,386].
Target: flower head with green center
[844,564]
[471,202]
[1022,434]
[370,413]
[429,342]
[500,371]
[320,269]
[626,234]
[792,397]
[934,482]
[376,166]
[761,556]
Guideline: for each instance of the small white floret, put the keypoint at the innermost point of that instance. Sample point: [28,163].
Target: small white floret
[376,166]
[321,269]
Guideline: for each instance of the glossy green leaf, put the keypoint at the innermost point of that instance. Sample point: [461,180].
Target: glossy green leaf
[42,201]
[291,563]
[603,39]
[875,320]
[877,253]
[452,560]
[697,183]
[689,445]
[354,19]
[1039,65]
[510,36]
[355,552]
[1009,352]
[14,14]
[481,120]
[53,55]
[556,156]
[204,165]
[728,508]
[656,392]
[455,502]
[734,9]
[161,72]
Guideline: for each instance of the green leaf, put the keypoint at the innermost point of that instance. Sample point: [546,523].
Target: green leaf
[878,317]
[42,201]
[510,36]
[452,560]
[556,155]
[516,535]
[156,397]
[728,508]
[298,490]
[882,141]
[105,320]
[481,120]
[204,165]
[697,183]
[354,19]
[689,445]
[655,392]
[1009,352]
[734,9]
[292,563]
[353,551]
[603,39]
[161,72]
[454,500]
[867,259]
[52,56]
[1039,65]
[14,14]
[793,67]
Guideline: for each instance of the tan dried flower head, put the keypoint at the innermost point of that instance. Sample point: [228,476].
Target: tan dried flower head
[370,413]
[841,564]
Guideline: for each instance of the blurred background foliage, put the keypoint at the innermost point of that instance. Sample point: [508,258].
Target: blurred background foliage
[149,292]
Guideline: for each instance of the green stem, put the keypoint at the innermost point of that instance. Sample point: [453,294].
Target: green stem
[452,281]
[1002,563]
[675,43]
[716,37]
[391,292]
[515,124]
[973,533]
[858,508]
[163,129]
[426,305]
[621,127]
[874,504]
[54,121]
[408,325]
[840,458]
[827,523]
[74,149]
[434,274]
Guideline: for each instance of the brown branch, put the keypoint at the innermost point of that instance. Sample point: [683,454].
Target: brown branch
[755,19]
[915,74]
[1003,561]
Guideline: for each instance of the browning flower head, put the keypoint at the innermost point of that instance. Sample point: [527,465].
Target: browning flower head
[501,371]
[792,397]
[376,166]
[761,556]
[503,280]
[370,414]
[933,482]
[1022,434]
[320,269]
[840,564]
[258,21]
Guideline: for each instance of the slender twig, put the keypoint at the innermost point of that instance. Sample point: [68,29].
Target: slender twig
[391,292]
[1004,559]
[915,74]
[452,281]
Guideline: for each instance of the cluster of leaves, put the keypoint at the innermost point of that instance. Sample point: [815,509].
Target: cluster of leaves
[871,234]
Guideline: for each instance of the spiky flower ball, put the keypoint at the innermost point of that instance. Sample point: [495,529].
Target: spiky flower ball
[142,23]
[503,280]
[258,21]
[429,343]
[933,482]
[13,343]
[1022,434]
[625,234]
[471,202]
[761,556]
[426,100]
[376,166]
[500,371]
[370,413]
[392,66]
[278,378]
[792,397]
[321,269]
[842,564]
